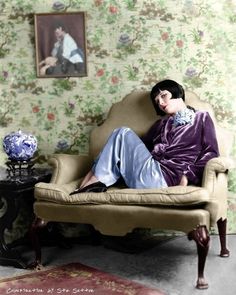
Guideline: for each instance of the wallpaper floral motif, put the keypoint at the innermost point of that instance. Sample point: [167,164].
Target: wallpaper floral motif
[131,44]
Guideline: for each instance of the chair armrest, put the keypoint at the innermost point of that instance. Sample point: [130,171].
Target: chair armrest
[213,167]
[67,168]
[215,180]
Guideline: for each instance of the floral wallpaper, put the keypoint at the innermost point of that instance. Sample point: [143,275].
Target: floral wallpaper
[131,44]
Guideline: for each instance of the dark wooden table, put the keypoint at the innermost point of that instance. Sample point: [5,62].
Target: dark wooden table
[14,191]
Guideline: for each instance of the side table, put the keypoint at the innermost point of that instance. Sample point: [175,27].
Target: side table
[13,190]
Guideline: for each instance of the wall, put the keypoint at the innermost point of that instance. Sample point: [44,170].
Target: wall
[131,44]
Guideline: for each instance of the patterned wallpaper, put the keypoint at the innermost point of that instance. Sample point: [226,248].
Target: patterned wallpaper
[131,44]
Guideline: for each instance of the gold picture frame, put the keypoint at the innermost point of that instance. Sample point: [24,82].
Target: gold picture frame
[60,41]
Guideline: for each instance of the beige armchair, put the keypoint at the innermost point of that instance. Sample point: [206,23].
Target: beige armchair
[193,210]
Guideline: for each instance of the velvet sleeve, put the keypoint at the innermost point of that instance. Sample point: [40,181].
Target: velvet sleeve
[151,135]
[209,150]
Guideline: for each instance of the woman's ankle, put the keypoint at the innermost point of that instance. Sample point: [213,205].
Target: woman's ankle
[92,180]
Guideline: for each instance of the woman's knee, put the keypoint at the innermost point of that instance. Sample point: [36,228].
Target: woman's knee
[126,134]
[123,129]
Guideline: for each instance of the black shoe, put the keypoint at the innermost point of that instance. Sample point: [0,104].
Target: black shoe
[97,187]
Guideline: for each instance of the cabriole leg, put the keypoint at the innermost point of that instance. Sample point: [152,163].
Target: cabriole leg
[37,225]
[222,225]
[201,236]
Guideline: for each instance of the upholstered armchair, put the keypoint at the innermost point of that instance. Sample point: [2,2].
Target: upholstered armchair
[191,209]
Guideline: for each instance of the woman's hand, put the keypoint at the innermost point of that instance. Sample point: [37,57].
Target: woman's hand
[184,180]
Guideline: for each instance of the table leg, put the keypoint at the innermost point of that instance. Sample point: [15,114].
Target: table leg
[10,207]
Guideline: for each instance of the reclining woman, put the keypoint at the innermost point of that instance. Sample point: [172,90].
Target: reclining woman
[173,152]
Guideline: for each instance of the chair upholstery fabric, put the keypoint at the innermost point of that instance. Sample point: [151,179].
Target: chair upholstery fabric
[184,196]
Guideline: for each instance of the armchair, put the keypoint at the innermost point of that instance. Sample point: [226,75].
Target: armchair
[191,209]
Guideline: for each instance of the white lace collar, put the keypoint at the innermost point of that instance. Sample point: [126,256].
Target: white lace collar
[183,117]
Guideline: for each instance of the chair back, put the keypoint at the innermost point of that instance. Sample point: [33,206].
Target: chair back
[136,111]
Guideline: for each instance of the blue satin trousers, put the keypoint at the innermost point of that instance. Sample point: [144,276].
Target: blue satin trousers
[125,155]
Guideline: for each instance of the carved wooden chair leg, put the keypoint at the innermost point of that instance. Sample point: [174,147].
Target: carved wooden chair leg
[201,236]
[96,236]
[35,227]
[222,225]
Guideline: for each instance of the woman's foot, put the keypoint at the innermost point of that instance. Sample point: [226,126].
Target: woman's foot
[97,187]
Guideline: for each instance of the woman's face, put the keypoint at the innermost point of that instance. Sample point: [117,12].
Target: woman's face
[168,105]
[59,33]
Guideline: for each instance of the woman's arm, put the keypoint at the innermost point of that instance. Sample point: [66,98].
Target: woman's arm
[153,132]
[209,150]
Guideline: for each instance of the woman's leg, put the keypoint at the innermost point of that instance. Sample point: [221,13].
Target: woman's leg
[126,155]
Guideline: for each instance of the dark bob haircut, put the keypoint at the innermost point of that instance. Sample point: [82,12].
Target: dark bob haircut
[58,25]
[173,87]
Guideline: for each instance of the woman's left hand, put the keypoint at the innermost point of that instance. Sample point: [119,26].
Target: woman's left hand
[184,180]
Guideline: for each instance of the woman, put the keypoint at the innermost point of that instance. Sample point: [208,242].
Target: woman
[67,55]
[173,152]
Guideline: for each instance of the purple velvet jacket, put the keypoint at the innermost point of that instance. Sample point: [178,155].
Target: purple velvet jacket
[183,149]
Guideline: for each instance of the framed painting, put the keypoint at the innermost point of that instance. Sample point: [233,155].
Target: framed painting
[60,41]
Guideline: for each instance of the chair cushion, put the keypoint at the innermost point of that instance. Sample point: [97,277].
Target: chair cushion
[170,196]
